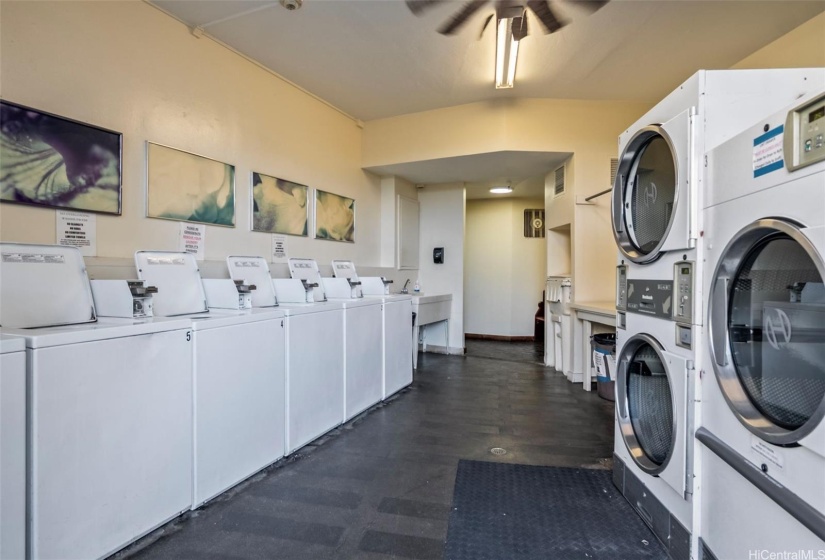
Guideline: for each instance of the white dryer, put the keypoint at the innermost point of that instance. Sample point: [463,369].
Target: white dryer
[314,348]
[12,447]
[238,375]
[109,409]
[763,399]
[657,224]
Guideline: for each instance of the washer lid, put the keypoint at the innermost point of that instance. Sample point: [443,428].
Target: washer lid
[254,270]
[767,330]
[177,278]
[43,286]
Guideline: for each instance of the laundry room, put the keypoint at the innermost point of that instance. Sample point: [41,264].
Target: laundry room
[412,279]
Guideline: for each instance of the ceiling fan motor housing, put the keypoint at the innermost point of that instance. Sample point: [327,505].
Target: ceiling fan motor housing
[292,5]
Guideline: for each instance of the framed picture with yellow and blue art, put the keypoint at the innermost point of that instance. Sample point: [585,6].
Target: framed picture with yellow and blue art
[334,217]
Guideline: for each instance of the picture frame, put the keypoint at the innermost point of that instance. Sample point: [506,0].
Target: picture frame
[52,161]
[188,187]
[279,206]
[334,217]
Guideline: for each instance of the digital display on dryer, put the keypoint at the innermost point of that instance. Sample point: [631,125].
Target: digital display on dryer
[816,114]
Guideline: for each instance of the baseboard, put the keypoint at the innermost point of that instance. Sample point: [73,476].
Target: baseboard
[436,349]
[498,337]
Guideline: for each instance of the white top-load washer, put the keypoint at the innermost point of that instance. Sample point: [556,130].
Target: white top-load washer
[12,447]
[109,409]
[763,393]
[558,335]
[395,352]
[363,333]
[314,347]
[238,375]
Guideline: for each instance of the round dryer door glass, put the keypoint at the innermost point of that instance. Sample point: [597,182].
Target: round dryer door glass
[776,329]
[650,404]
[650,195]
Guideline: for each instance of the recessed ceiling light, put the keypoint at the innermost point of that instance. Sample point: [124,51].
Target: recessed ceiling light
[502,190]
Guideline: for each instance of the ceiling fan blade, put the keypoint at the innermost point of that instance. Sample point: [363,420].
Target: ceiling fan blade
[418,7]
[520,27]
[590,5]
[461,16]
[546,15]
[484,27]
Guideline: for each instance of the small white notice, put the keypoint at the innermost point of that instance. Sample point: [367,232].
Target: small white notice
[77,229]
[768,453]
[193,239]
[279,252]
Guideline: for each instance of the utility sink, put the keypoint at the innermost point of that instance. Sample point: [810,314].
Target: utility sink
[431,308]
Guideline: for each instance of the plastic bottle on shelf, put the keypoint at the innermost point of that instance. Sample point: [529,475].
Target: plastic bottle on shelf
[417,287]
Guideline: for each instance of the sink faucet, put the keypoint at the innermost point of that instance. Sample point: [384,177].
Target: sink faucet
[404,289]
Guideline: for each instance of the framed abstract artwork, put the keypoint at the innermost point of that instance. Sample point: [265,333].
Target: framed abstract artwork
[334,217]
[188,187]
[56,162]
[279,206]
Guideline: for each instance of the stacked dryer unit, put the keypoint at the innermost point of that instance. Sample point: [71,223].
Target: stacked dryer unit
[657,224]
[763,397]
[558,331]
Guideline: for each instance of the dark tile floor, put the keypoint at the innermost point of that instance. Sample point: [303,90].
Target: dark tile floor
[381,486]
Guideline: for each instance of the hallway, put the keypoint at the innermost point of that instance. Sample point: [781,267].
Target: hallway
[381,486]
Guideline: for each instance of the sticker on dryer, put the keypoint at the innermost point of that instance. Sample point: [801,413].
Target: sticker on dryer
[768,452]
[768,154]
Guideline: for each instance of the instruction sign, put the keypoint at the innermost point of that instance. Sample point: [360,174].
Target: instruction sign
[77,229]
[279,252]
[768,153]
[192,239]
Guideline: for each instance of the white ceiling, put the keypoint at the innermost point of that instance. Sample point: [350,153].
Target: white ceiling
[373,58]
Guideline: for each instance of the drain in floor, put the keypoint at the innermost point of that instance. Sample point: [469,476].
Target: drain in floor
[498,451]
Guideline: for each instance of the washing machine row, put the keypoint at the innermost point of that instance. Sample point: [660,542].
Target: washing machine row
[129,421]
[657,217]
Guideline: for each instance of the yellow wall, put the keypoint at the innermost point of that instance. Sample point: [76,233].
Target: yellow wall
[129,67]
[803,47]
[588,129]
[504,272]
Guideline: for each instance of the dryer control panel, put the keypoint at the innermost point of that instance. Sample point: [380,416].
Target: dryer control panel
[804,140]
[621,287]
[683,292]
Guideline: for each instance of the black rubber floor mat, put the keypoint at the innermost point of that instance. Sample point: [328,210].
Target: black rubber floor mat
[521,512]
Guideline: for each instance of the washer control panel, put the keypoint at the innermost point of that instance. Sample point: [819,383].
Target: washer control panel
[683,292]
[621,287]
[805,134]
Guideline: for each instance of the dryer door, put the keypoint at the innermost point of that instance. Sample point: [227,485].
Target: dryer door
[767,329]
[652,409]
[651,195]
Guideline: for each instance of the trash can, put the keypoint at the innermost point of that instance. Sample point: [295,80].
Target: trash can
[604,358]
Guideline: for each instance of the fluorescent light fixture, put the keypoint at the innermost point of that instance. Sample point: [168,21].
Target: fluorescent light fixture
[502,190]
[506,54]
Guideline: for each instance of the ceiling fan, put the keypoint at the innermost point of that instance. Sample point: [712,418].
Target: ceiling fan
[512,9]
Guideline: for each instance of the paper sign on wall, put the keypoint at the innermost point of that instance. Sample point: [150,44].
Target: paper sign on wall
[279,252]
[77,229]
[768,153]
[192,239]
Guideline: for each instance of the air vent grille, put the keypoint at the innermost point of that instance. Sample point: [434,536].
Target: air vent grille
[534,222]
[559,186]
[614,167]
